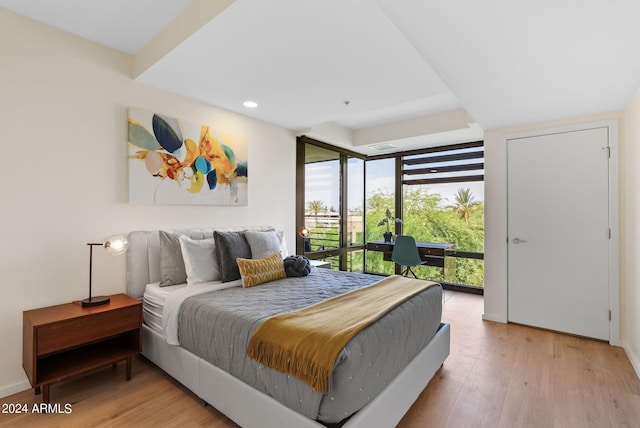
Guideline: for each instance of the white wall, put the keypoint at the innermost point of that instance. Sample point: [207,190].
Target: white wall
[630,233]
[63,173]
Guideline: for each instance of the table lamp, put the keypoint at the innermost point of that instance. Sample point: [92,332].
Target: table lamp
[114,245]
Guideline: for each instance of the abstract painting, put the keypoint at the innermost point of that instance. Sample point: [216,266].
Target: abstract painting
[175,162]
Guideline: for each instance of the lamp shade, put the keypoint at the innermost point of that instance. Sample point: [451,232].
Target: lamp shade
[116,244]
[304,232]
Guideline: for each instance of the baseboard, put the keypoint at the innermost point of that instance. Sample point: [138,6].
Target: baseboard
[8,390]
[495,318]
[635,360]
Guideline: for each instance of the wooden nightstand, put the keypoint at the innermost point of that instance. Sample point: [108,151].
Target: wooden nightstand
[65,340]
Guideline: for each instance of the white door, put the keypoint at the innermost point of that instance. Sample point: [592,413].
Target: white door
[558,232]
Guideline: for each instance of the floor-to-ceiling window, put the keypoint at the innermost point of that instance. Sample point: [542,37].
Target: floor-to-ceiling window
[330,204]
[380,197]
[347,200]
[322,198]
[443,201]
[355,214]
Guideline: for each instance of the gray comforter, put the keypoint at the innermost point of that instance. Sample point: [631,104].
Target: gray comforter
[217,326]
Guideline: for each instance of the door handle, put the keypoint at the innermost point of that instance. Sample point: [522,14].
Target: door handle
[518,241]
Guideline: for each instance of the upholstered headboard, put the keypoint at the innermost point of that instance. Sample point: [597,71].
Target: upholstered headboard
[143,254]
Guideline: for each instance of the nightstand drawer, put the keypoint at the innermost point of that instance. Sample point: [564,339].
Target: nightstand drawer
[81,330]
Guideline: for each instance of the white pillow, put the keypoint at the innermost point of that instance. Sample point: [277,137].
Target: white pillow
[263,243]
[200,261]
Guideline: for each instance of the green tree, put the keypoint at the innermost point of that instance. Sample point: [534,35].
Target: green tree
[425,217]
[444,225]
[377,203]
[420,209]
[464,204]
[316,207]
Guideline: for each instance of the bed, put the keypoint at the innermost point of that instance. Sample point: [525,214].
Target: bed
[257,396]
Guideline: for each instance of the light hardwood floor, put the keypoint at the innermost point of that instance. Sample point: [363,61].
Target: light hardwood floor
[498,375]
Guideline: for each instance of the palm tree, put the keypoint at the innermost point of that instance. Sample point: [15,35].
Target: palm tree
[315,207]
[464,204]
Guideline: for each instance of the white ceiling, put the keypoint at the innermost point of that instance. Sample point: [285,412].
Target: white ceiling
[414,72]
[125,25]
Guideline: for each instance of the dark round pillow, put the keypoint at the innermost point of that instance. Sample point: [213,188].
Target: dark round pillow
[296,266]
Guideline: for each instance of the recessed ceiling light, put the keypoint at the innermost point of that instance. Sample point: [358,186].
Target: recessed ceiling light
[250,104]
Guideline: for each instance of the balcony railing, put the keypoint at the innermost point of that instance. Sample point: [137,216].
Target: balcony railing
[325,235]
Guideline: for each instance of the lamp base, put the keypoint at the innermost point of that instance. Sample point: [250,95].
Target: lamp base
[96,301]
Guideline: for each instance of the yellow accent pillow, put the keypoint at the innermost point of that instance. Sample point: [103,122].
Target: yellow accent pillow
[258,271]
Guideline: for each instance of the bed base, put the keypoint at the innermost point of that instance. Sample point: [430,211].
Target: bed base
[250,408]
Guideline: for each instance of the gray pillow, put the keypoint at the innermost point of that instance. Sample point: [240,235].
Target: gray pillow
[230,246]
[172,269]
[263,243]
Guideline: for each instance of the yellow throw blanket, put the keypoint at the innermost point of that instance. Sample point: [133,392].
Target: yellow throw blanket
[305,343]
